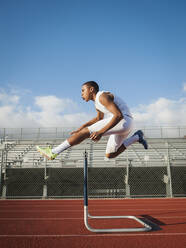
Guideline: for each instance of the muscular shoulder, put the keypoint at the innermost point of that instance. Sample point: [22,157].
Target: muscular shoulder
[106,97]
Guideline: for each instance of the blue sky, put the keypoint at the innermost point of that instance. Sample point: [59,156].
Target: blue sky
[48,48]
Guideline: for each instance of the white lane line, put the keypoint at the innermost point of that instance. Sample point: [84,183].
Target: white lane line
[94,210]
[91,205]
[44,219]
[90,235]
[66,218]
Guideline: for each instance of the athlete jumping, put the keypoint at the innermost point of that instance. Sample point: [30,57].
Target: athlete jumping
[113,119]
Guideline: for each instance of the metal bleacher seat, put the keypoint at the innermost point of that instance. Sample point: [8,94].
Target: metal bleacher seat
[25,154]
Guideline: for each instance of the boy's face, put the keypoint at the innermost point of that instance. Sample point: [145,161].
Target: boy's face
[86,92]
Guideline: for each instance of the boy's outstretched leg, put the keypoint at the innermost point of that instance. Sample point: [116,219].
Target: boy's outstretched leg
[75,139]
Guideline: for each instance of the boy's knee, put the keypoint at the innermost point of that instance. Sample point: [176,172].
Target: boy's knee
[110,155]
[107,155]
[84,130]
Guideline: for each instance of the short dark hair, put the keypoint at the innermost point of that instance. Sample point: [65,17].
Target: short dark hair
[92,84]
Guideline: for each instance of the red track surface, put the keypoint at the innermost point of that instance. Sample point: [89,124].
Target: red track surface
[59,223]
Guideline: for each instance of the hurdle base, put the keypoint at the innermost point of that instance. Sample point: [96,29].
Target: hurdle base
[145,227]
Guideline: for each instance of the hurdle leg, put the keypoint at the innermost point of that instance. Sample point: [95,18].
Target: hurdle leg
[145,227]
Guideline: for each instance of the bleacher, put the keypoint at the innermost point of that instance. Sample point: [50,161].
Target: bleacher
[24,154]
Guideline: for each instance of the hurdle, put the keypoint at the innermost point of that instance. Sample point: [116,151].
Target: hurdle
[87,216]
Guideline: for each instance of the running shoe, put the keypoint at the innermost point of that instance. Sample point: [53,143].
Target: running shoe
[47,152]
[141,139]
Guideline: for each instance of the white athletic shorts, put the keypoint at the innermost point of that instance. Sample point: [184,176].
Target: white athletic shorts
[117,134]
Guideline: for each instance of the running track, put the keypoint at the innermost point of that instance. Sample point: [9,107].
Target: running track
[59,223]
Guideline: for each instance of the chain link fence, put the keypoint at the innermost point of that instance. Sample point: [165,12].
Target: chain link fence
[104,182]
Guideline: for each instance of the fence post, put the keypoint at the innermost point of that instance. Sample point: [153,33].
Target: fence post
[21,133]
[56,133]
[3,171]
[127,177]
[161,130]
[4,133]
[38,136]
[1,183]
[169,184]
[45,181]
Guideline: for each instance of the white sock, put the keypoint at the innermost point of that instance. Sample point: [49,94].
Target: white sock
[63,146]
[131,140]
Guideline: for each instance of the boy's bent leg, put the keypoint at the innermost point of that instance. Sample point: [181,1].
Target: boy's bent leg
[115,145]
[136,137]
[121,149]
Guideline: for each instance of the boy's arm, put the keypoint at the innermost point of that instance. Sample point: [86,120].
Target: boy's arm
[89,123]
[108,101]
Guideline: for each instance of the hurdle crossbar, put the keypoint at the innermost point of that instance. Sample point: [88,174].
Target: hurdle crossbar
[145,227]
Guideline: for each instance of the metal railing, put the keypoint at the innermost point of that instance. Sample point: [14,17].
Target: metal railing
[63,132]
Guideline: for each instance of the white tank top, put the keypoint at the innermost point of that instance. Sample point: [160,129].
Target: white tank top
[117,100]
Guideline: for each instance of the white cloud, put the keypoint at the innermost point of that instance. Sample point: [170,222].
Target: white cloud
[163,111]
[54,104]
[8,99]
[59,112]
[184,87]
[11,117]
[53,112]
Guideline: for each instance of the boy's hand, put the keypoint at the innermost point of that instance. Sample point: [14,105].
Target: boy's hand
[96,136]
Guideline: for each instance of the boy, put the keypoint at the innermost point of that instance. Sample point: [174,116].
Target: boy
[113,119]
